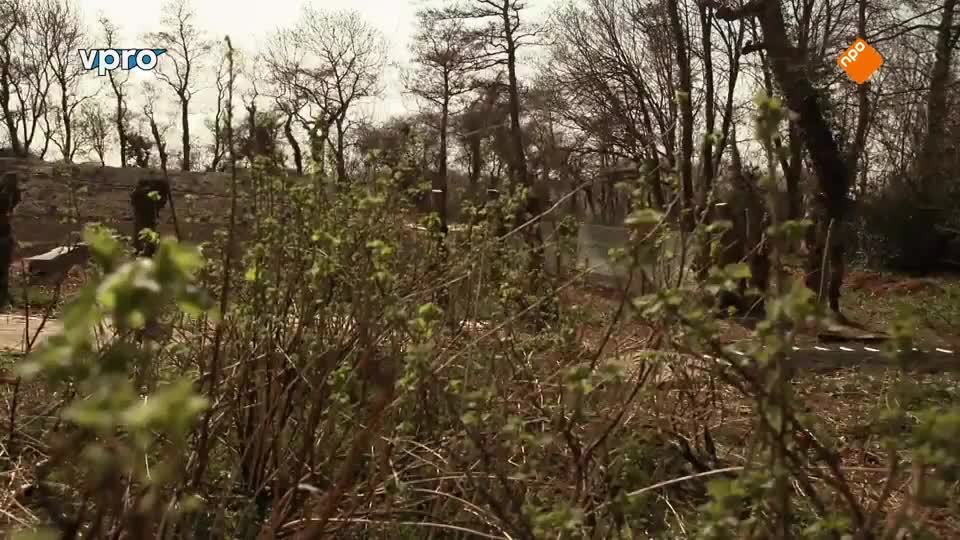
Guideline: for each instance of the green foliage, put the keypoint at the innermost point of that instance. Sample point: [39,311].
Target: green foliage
[902,230]
[119,436]
[770,112]
[395,380]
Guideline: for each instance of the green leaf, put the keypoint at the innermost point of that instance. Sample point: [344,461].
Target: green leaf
[646,216]
[104,247]
[720,226]
[171,409]
[185,257]
[44,533]
[737,271]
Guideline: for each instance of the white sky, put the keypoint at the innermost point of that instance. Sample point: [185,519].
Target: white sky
[248,22]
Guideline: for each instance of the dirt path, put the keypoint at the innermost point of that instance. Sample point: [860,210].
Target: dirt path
[831,357]
[12,327]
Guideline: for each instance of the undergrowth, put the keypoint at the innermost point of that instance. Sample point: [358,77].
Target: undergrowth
[367,379]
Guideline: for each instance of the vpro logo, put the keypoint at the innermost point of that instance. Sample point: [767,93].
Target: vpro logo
[104,60]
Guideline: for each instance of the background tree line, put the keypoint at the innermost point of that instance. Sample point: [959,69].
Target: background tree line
[604,89]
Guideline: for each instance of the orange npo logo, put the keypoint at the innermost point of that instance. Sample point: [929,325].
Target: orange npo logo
[860,61]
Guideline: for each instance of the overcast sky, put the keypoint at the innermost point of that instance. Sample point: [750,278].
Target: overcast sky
[249,21]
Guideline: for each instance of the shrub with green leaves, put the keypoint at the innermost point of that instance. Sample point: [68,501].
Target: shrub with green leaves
[367,377]
[118,438]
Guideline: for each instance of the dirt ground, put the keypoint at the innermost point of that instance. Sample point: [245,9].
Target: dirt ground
[13,329]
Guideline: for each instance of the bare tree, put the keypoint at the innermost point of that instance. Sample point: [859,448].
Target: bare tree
[30,80]
[503,36]
[803,98]
[285,57]
[249,100]
[498,22]
[60,33]
[12,18]
[484,118]
[158,129]
[614,74]
[818,28]
[858,146]
[218,148]
[118,83]
[330,61]
[706,147]
[186,46]
[289,112]
[93,126]
[445,55]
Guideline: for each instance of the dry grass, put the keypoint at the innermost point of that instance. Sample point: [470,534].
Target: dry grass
[877,299]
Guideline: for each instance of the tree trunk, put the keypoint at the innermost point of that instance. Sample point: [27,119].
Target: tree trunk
[793,172]
[518,166]
[252,148]
[833,176]
[518,163]
[121,131]
[185,124]
[931,154]
[706,150]
[686,112]
[652,162]
[317,145]
[439,190]
[161,146]
[341,150]
[67,128]
[734,52]
[791,161]
[863,103]
[292,141]
[476,163]
[7,113]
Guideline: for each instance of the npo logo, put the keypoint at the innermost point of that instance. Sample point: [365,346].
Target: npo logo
[104,60]
[860,61]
